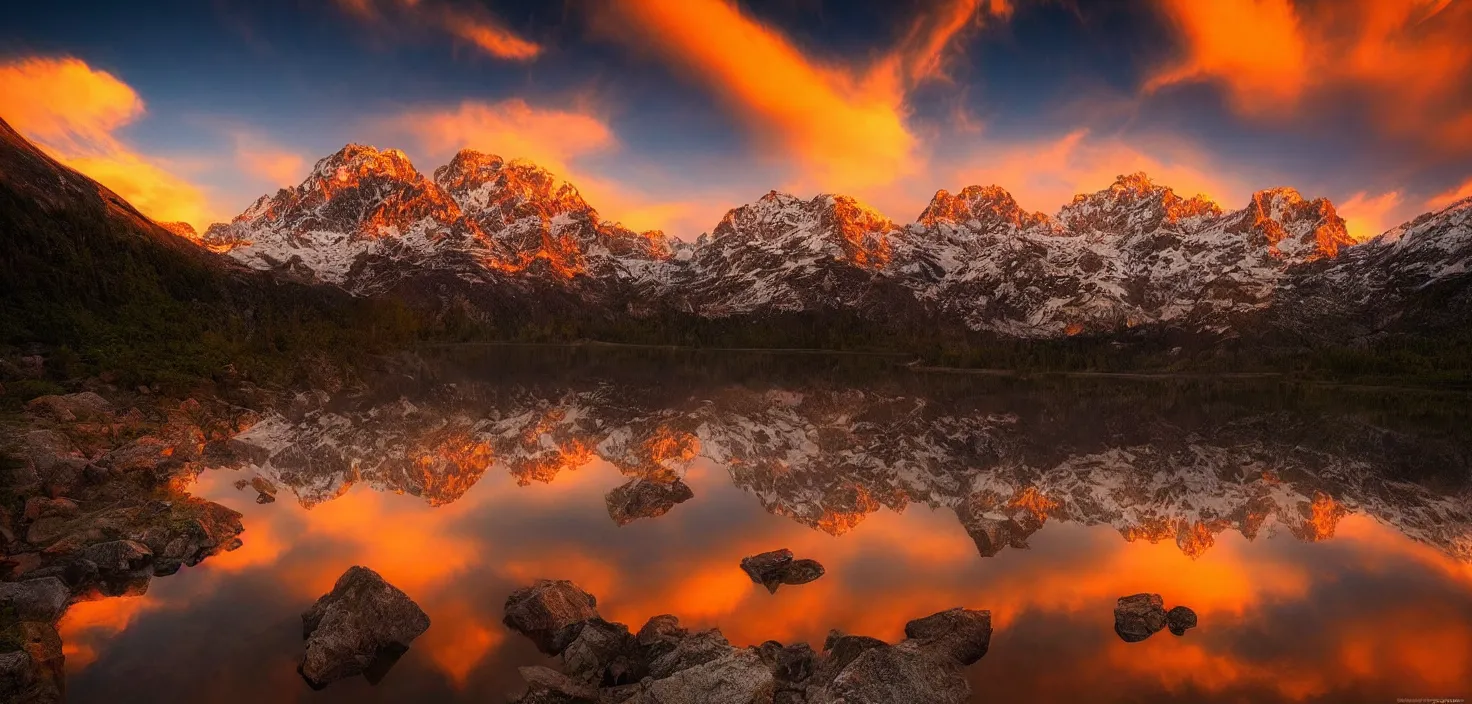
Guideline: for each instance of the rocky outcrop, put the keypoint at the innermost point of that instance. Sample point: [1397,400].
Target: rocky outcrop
[666,664]
[1138,616]
[962,635]
[102,513]
[546,610]
[1180,619]
[776,568]
[645,498]
[362,626]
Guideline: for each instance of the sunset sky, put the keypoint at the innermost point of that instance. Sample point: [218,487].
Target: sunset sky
[665,113]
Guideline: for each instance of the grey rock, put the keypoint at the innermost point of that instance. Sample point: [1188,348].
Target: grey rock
[543,612]
[363,620]
[53,457]
[1139,616]
[767,568]
[118,556]
[1179,619]
[962,635]
[660,635]
[548,686]
[738,677]
[696,649]
[16,674]
[841,649]
[645,498]
[775,568]
[603,653]
[901,673]
[42,599]
[70,407]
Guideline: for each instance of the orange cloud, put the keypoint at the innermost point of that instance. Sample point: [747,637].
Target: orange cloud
[1451,195]
[1366,216]
[1410,58]
[512,129]
[267,162]
[490,37]
[554,139]
[923,53]
[479,29]
[72,112]
[1046,174]
[843,130]
[1253,46]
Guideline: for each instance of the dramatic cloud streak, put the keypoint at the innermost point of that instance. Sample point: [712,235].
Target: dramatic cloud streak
[1047,173]
[556,139]
[73,111]
[844,130]
[1366,216]
[1407,62]
[470,24]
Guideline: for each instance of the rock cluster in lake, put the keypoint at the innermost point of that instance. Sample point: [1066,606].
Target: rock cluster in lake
[1139,616]
[645,498]
[362,626]
[94,505]
[663,662]
[777,567]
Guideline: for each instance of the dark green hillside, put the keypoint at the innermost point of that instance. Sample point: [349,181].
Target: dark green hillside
[99,288]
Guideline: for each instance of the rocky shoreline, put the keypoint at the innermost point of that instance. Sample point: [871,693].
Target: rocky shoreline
[94,504]
[664,663]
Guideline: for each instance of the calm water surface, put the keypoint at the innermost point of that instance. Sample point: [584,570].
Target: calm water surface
[1324,536]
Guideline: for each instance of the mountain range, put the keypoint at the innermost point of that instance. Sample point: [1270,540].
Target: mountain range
[368,252]
[1135,254]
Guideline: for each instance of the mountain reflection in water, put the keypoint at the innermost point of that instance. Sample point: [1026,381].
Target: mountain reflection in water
[1323,535]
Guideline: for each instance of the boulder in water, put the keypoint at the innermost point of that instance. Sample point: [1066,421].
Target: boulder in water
[360,627]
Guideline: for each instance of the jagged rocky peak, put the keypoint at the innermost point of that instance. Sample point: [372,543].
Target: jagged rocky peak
[854,231]
[357,161]
[980,207]
[1134,204]
[486,184]
[182,229]
[360,191]
[1294,227]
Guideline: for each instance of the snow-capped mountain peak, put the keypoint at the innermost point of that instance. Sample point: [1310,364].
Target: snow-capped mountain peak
[984,208]
[1134,205]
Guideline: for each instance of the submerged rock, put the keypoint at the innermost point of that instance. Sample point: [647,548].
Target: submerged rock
[1139,616]
[645,498]
[544,611]
[1179,619]
[776,568]
[364,621]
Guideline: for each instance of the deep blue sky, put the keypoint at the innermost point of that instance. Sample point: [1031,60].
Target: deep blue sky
[668,112]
